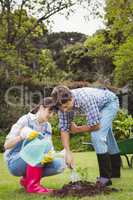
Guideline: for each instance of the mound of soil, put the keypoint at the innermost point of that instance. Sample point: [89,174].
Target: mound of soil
[83,188]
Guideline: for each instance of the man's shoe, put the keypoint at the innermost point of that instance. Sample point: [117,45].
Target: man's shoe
[101,181]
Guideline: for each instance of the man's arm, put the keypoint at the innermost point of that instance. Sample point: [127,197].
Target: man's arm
[65,141]
[65,119]
[83,128]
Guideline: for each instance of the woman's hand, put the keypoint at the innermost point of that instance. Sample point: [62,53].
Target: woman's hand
[48,158]
[28,133]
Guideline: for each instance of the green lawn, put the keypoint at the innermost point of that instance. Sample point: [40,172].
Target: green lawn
[10,189]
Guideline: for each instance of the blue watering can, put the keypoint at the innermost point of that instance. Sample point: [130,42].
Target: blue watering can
[33,152]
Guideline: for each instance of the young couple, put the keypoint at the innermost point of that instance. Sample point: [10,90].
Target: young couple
[98,105]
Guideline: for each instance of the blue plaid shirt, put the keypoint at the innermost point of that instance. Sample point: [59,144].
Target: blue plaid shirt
[89,101]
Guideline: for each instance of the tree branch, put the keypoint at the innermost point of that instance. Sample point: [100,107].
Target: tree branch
[56,10]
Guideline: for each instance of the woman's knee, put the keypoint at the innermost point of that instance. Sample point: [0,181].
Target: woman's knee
[17,167]
[59,164]
[56,167]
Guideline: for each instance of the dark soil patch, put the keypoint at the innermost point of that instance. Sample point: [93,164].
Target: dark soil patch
[83,188]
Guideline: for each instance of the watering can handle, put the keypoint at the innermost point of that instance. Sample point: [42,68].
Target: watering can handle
[24,142]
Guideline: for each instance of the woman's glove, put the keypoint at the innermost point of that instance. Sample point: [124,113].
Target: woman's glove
[28,133]
[48,158]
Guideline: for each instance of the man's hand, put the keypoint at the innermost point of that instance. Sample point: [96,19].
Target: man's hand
[84,128]
[68,154]
[69,159]
[73,127]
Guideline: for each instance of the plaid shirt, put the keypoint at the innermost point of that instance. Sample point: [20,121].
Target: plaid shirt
[89,101]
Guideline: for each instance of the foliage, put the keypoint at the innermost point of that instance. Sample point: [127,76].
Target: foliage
[2,140]
[119,21]
[101,53]
[78,62]
[23,36]
[83,173]
[124,62]
[75,140]
[58,42]
[47,67]
[123,125]
[28,59]
[43,10]
[91,59]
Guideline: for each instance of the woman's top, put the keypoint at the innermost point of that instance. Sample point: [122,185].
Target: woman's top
[29,120]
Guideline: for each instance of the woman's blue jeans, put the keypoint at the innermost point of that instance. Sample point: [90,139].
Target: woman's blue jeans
[18,167]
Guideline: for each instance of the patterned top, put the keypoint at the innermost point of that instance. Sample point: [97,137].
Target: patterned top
[89,102]
[29,120]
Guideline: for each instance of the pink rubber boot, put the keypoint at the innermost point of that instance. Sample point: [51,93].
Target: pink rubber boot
[23,182]
[33,177]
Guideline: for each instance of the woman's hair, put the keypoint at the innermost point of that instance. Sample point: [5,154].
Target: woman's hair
[47,102]
[61,95]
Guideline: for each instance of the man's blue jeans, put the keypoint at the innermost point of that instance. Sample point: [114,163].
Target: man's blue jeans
[103,139]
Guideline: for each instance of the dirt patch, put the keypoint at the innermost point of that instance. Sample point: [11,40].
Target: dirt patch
[83,188]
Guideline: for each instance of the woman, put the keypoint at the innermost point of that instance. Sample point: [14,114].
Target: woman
[27,128]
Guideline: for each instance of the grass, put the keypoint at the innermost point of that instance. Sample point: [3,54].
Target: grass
[10,189]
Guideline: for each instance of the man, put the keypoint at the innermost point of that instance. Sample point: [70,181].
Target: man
[100,107]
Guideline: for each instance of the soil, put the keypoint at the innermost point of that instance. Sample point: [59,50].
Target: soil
[83,188]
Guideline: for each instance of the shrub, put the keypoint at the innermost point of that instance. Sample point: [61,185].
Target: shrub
[76,139]
[123,125]
[2,140]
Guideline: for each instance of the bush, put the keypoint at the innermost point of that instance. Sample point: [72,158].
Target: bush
[2,140]
[123,125]
[75,141]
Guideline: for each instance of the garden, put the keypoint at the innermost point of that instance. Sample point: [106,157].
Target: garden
[86,168]
[35,57]
[10,188]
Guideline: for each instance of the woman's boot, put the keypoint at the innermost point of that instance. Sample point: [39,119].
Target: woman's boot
[33,177]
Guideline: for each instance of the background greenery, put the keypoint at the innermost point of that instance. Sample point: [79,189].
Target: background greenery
[29,51]
[122,127]
[32,57]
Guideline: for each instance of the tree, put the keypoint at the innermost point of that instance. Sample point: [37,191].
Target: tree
[47,70]
[47,67]
[124,62]
[119,19]
[57,42]
[16,62]
[101,52]
[78,62]
[43,8]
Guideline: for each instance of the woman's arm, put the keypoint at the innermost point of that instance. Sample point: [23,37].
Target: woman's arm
[14,135]
[10,143]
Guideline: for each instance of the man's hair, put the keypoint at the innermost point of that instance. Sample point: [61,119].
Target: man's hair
[61,95]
